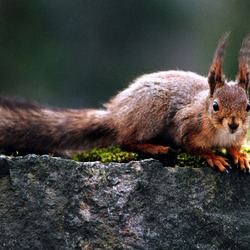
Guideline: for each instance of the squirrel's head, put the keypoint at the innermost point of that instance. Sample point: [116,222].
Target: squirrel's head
[228,101]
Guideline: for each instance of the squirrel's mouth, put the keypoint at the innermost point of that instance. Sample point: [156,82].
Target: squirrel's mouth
[232,131]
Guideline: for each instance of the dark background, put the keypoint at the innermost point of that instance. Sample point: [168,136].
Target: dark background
[79,53]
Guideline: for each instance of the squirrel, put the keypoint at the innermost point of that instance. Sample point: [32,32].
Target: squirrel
[157,112]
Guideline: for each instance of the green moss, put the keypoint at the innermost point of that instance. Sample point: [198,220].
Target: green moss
[246,149]
[184,159]
[116,154]
[109,154]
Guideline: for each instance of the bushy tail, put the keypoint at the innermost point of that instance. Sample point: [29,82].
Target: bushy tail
[29,128]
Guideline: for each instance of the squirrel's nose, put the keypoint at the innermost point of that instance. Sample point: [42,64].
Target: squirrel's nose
[233,126]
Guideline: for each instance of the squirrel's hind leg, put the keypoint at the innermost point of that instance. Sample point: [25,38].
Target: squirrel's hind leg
[148,148]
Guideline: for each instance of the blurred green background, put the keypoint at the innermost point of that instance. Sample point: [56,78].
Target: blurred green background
[80,53]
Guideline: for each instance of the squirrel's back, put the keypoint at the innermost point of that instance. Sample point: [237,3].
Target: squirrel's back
[145,110]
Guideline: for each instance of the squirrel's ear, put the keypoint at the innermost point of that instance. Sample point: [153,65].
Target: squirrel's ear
[243,75]
[216,78]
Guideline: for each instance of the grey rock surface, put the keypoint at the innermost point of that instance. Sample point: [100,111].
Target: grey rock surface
[52,203]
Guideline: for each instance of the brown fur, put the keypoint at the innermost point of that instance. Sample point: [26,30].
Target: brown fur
[157,111]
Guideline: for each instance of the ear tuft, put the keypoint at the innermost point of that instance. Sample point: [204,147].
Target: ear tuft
[244,56]
[216,78]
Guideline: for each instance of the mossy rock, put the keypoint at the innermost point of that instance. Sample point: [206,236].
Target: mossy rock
[109,154]
[116,154]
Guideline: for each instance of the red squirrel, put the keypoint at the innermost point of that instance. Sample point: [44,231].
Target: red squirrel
[156,112]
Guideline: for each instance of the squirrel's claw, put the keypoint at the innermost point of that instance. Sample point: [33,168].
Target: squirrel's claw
[243,162]
[218,161]
[240,160]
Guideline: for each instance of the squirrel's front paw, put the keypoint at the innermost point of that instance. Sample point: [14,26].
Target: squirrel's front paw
[218,161]
[241,160]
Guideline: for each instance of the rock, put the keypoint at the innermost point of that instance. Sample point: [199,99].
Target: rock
[52,203]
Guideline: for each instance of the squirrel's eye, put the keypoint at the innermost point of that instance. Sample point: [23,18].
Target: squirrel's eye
[248,107]
[216,106]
